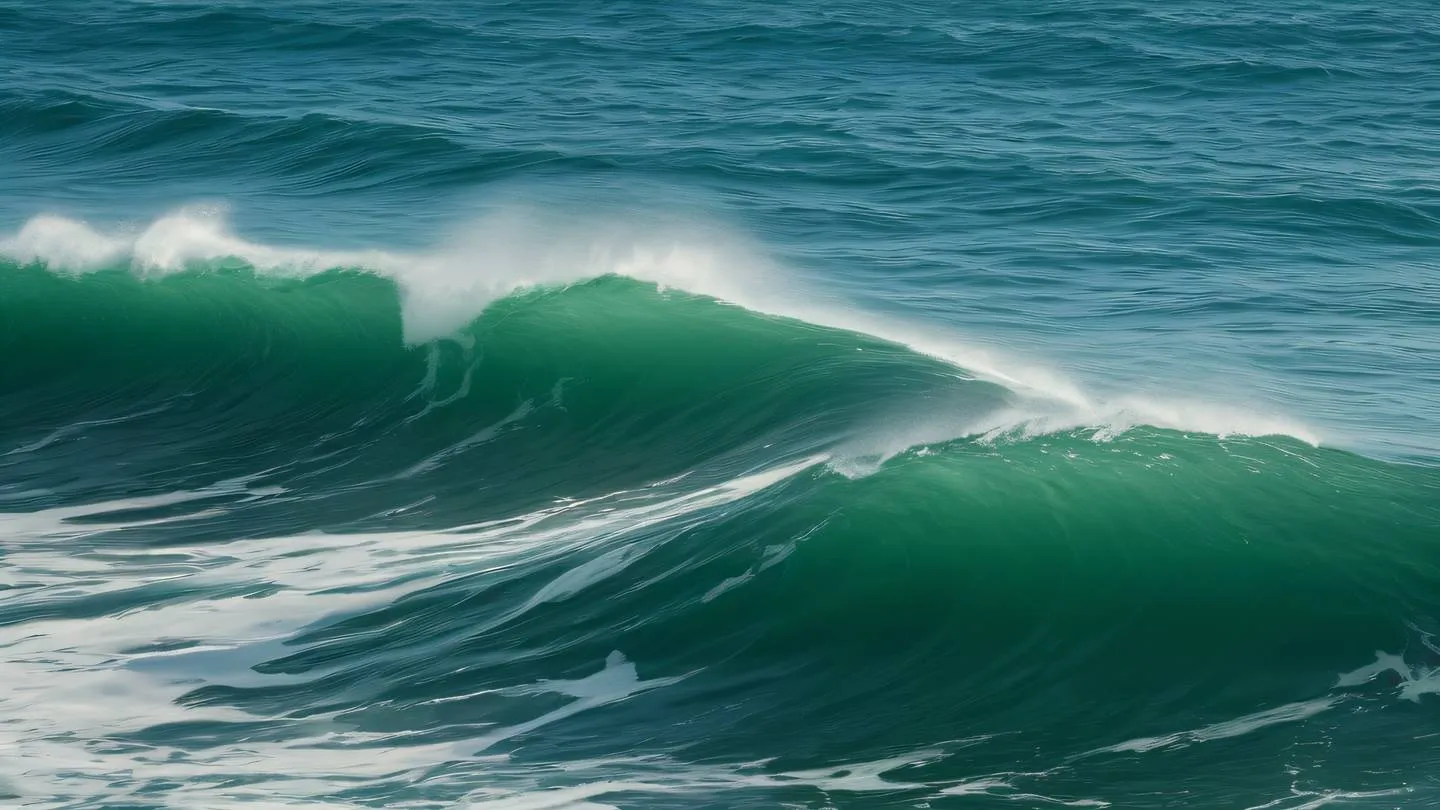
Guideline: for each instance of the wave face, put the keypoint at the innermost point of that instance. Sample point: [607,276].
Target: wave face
[640,405]
[619,543]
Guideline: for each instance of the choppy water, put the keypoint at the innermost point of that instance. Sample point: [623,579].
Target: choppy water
[648,405]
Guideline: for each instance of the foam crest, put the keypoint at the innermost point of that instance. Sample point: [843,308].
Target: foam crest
[513,250]
[1033,417]
[517,248]
[63,244]
[1110,417]
[170,244]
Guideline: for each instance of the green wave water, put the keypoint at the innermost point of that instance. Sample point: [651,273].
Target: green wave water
[634,406]
[611,540]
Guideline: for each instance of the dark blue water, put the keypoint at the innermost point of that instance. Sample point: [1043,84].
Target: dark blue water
[719,404]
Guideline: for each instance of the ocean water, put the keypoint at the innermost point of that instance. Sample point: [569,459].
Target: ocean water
[735,405]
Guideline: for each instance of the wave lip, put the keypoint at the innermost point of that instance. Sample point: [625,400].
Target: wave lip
[171,244]
[442,292]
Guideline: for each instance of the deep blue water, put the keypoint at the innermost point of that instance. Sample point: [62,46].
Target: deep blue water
[647,404]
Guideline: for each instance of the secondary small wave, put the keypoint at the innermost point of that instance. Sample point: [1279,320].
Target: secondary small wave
[1019,624]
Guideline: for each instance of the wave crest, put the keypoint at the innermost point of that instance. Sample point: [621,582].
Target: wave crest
[444,290]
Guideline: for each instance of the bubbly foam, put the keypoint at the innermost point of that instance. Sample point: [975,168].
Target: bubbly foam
[170,244]
[443,290]
[1288,713]
[144,661]
[1412,681]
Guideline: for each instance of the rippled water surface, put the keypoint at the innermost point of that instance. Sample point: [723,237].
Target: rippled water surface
[641,405]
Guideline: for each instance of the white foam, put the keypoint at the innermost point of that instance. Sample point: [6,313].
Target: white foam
[170,244]
[72,522]
[703,783]
[665,513]
[1413,681]
[63,244]
[72,681]
[617,681]
[770,556]
[1288,713]
[482,436]
[443,290]
[68,430]
[1313,799]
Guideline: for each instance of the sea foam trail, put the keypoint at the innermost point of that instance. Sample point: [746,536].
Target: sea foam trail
[443,290]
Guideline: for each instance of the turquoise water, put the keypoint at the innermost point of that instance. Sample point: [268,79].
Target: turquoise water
[644,405]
